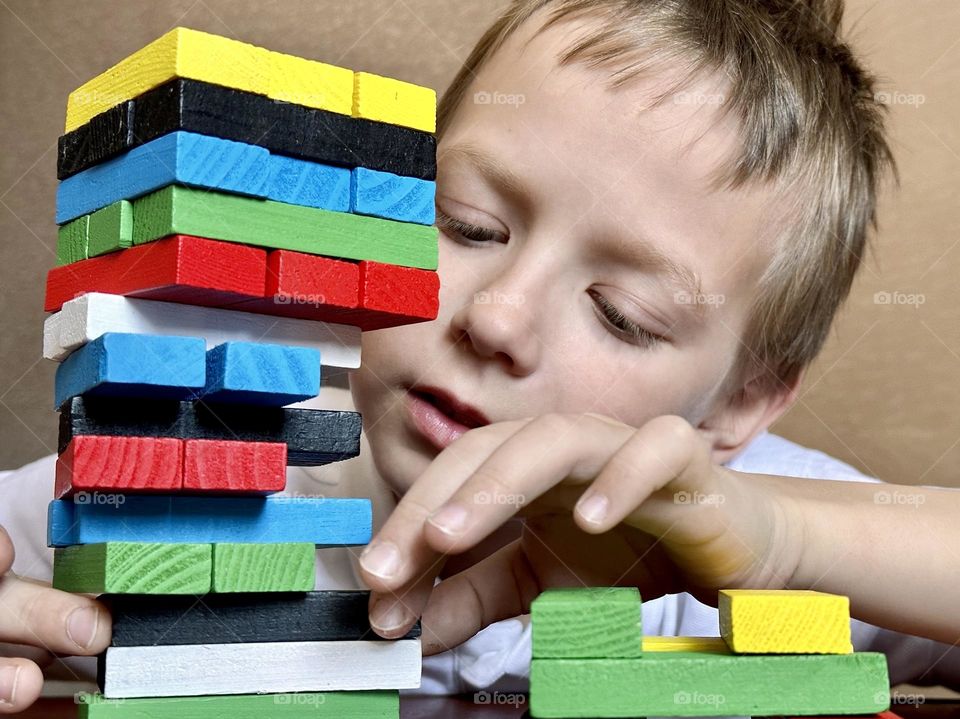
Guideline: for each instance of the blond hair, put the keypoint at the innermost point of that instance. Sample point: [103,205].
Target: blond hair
[808,117]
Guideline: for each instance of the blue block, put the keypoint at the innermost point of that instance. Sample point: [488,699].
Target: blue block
[383,194]
[311,184]
[181,157]
[262,374]
[102,517]
[130,365]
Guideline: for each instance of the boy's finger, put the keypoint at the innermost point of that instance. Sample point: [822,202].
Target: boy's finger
[33,613]
[6,552]
[20,683]
[393,613]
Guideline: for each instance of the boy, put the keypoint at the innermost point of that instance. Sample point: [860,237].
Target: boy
[650,212]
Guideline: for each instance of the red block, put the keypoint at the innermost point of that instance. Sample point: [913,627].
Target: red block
[180,268]
[391,295]
[122,464]
[881,715]
[212,465]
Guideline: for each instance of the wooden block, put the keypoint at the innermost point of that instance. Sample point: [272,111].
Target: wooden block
[89,316]
[232,467]
[133,568]
[218,60]
[120,364]
[286,567]
[110,229]
[709,684]
[685,644]
[265,223]
[120,464]
[259,667]
[72,241]
[173,518]
[261,374]
[284,128]
[780,621]
[394,101]
[313,436]
[228,618]
[391,295]
[189,270]
[307,705]
[392,197]
[309,184]
[881,715]
[585,623]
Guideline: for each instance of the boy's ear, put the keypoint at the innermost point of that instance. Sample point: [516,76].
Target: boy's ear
[740,416]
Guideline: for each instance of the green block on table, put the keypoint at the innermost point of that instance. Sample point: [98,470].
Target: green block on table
[72,241]
[285,567]
[265,223]
[596,622]
[710,684]
[110,229]
[299,705]
[133,568]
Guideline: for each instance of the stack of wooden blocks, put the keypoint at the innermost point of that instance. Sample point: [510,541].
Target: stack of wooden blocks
[780,653]
[231,219]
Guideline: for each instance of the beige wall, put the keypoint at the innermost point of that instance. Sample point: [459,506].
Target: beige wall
[883,396]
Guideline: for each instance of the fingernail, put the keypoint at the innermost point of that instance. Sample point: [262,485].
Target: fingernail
[82,625]
[451,519]
[388,616]
[593,508]
[381,559]
[8,684]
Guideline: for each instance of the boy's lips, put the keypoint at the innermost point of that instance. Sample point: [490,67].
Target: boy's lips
[439,416]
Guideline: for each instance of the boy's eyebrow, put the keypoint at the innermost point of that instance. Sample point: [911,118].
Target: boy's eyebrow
[493,170]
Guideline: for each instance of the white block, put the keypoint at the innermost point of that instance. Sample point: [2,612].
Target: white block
[262,667]
[87,317]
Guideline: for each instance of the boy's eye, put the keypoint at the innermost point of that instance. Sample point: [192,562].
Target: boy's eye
[623,325]
[463,230]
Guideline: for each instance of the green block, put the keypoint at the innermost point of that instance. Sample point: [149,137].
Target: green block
[707,684]
[284,567]
[591,623]
[133,568]
[110,229]
[264,223]
[299,705]
[72,241]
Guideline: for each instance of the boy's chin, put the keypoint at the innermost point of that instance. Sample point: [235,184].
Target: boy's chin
[399,464]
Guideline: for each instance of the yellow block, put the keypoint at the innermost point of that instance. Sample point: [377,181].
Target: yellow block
[196,55]
[685,644]
[779,621]
[394,102]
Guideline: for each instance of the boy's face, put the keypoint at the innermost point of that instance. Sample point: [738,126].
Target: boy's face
[569,199]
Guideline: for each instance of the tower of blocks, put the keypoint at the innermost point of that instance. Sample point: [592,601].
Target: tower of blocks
[779,653]
[231,219]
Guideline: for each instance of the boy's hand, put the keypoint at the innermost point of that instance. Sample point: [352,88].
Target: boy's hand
[604,504]
[48,622]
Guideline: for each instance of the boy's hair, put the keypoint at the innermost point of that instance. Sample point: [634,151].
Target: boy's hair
[808,118]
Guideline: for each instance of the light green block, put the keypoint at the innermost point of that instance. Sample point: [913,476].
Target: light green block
[595,622]
[265,223]
[283,567]
[710,684]
[72,241]
[110,229]
[133,568]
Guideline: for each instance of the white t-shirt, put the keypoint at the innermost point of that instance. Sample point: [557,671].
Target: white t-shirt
[497,658]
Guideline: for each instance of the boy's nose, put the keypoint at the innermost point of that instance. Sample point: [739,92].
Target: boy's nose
[497,324]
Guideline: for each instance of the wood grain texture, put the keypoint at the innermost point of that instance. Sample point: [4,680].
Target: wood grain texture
[209,669]
[86,318]
[133,568]
[313,436]
[392,197]
[265,223]
[120,464]
[261,374]
[176,518]
[286,129]
[121,364]
[187,53]
[252,617]
[189,270]
[72,241]
[278,567]
[780,621]
[394,101]
[391,295]
[709,684]
[595,622]
[685,644]
[232,467]
[305,705]
[110,229]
